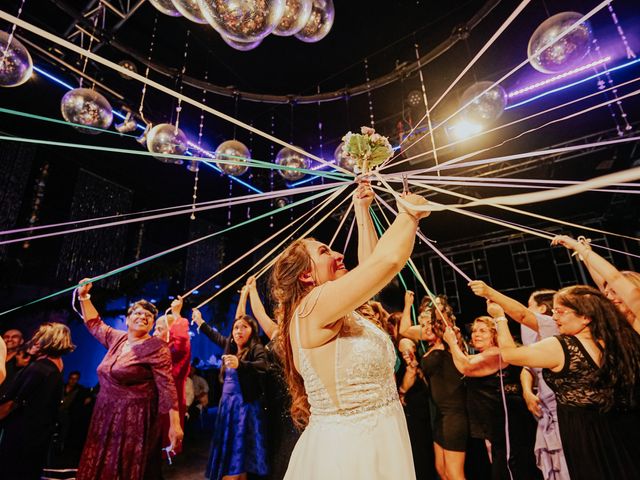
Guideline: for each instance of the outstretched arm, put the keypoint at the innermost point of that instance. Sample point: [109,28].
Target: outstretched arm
[624,288]
[241,310]
[406,329]
[367,238]
[89,312]
[513,308]
[480,365]
[335,299]
[268,325]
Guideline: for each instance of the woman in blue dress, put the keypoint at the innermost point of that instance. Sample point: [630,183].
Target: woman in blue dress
[238,446]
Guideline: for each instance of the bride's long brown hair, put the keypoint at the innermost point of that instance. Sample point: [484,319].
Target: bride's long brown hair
[287,290]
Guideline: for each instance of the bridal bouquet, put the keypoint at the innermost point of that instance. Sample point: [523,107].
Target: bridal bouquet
[368,148]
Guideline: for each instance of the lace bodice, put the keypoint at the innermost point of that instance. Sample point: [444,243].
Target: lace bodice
[576,384]
[364,380]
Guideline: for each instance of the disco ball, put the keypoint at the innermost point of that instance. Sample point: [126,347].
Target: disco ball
[189,10]
[129,65]
[233,150]
[295,17]
[486,108]
[16,65]
[243,20]
[319,23]
[343,160]
[565,53]
[289,158]
[242,46]
[86,107]
[166,7]
[167,139]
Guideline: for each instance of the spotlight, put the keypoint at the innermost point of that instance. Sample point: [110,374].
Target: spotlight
[464,129]
[414,98]
[128,124]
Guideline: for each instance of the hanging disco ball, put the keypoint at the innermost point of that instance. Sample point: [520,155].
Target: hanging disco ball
[233,150]
[488,106]
[242,46]
[166,139]
[289,158]
[565,53]
[166,7]
[319,23]
[190,10]
[16,65]
[295,17]
[343,160]
[243,20]
[86,107]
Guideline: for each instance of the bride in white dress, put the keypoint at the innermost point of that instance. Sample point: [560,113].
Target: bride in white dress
[338,365]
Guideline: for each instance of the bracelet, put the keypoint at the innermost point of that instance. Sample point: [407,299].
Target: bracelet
[500,319]
[84,298]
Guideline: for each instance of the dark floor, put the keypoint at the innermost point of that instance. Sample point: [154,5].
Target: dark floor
[191,463]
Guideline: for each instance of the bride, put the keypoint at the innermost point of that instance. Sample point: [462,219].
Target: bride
[338,365]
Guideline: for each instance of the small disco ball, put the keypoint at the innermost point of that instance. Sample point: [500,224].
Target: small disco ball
[166,139]
[343,160]
[295,17]
[190,10]
[16,65]
[565,53]
[166,7]
[243,21]
[289,158]
[488,106]
[86,107]
[414,98]
[319,23]
[236,151]
[129,65]
[241,46]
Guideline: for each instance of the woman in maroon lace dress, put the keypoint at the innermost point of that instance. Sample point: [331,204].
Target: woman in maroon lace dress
[136,386]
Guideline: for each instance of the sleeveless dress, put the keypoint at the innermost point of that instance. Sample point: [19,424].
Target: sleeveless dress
[448,392]
[597,444]
[365,435]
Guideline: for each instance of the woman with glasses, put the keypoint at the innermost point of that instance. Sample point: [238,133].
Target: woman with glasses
[136,387]
[592,367]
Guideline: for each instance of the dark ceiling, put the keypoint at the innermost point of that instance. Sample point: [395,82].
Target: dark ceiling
[383,33]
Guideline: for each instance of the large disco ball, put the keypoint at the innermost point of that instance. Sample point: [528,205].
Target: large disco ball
[86,107]
[488,106]
[233,150]
[290,158]
[243,20]
[242,46]
[16,65]
[190,10]
[565,53]
[319,23]
[343,160]
[166,7]
[167,139]
[295,17]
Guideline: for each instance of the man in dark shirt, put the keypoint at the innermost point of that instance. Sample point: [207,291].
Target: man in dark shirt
[14,339]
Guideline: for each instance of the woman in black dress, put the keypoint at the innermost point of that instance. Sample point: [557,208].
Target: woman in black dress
[486,377]
[448,394]
[28,409]
[592,367]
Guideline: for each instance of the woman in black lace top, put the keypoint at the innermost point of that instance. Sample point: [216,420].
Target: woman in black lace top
[593,368]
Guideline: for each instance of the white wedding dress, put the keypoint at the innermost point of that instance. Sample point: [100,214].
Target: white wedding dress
[357,429]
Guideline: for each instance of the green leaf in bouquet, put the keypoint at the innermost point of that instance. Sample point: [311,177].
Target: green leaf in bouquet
[379,154]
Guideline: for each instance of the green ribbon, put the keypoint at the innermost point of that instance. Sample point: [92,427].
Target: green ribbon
[173,249]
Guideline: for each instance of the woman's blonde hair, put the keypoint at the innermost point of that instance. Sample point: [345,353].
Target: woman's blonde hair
[52,339]
[488,321]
